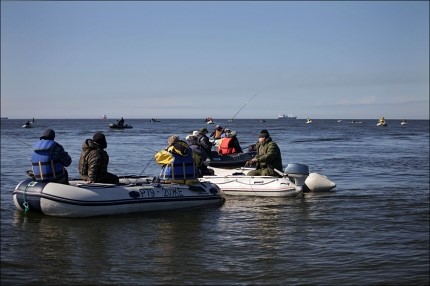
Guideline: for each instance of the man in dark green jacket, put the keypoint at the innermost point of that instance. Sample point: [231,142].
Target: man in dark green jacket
[268,157]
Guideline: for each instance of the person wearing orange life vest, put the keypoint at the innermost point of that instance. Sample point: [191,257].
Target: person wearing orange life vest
[229,144]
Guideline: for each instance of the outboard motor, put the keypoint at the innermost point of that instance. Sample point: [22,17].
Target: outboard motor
[297,173]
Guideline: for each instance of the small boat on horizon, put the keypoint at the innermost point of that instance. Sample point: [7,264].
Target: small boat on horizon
[29,124]
[381,122]
[117,126]
[288,117]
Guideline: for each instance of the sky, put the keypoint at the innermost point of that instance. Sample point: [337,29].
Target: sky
[223,59]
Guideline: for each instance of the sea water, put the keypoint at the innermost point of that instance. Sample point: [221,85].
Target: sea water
[372,229]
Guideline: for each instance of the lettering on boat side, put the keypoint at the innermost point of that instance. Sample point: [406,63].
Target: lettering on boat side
[150,193]
[172,192]
[147,193]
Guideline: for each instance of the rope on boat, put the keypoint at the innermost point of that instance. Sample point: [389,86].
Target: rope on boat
[25,203]
[235,180]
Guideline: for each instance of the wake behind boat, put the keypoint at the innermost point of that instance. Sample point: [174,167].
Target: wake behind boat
[133,194]
[295,180]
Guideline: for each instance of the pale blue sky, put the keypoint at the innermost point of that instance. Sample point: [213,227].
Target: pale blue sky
[142,59]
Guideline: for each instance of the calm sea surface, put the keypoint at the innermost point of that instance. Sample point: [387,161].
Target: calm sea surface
[373,229]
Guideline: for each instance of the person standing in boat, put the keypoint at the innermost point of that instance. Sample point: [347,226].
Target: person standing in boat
[229,144]
[94,160]
[121,122]
[49,159]
[179,163]
[268,157]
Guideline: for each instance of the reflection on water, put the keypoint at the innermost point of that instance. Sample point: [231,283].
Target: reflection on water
[373,229]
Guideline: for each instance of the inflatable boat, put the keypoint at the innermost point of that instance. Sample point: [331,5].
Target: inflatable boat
[116,126]
[294,180]
[132,194]
[229,161]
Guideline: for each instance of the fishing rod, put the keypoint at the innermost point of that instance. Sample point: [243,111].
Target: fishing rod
[242,108]
[17,140]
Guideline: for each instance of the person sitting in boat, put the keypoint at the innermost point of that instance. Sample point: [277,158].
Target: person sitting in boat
[204,141]
[268,157]
[179,163]
[217,133]
[49,160]
[121,122]
[227,131]
[229,144]
[27,123]
[193,141]
[94,160]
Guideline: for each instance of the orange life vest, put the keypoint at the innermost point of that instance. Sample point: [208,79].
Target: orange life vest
[224,147]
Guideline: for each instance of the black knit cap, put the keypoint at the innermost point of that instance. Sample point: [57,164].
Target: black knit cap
[264,134]
[48,134]
[100,139]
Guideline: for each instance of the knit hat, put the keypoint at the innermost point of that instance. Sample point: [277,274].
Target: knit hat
[172,139]
[100,139]
[48,134]
[264,134]
[203,130]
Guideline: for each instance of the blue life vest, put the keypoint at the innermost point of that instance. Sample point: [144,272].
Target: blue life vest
[182,168]
[44,167]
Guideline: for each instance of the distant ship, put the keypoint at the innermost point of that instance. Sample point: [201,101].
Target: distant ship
[283,116]
[103,117]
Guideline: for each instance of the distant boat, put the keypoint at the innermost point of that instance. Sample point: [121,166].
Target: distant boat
[340,120]
[154,120]
[381,122]
[288,117]
[103,117]
[308,121]
[262,120]
[27,125]
[404,122]
[209,120]
[116,126]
